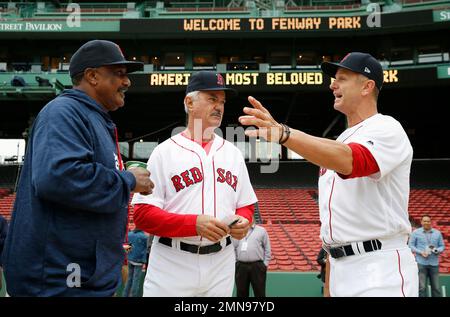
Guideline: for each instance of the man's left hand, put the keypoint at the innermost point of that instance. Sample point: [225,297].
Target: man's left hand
[239,230]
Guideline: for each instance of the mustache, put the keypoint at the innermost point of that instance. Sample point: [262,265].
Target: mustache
[123,90]
[217,113]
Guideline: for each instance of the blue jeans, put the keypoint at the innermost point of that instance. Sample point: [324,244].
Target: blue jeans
[431,272]
[132,288]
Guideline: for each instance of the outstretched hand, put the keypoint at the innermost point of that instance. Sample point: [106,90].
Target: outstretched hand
[260,117]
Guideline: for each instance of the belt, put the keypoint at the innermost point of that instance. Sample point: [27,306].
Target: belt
[207,249]
[347,250]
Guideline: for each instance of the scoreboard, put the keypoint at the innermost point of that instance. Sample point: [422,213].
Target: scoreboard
[287,80]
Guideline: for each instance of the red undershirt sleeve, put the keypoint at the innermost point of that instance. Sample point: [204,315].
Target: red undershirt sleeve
[364,164]
[162,223]
[246,212]
[159,222]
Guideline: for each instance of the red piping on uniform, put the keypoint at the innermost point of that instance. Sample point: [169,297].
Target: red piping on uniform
[400,271]
[329,209]
[332,187]
[352,133]
[214,177]
[203,186]
[214,181]
[201,166]
[220,146]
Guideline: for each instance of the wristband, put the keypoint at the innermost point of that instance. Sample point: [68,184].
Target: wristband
[282,133]
[286,131]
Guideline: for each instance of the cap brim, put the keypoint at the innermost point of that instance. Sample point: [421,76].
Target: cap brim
[331,68]
[131,66]
[229,92]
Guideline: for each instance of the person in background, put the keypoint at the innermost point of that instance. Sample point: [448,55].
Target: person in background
[322,260]
[253,255]
[427,243]
[137,258]
[123,278]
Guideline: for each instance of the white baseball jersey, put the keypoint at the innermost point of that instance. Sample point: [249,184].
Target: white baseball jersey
[189,181]
[375,206]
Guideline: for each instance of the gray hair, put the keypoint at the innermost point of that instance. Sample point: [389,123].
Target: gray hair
[193,95]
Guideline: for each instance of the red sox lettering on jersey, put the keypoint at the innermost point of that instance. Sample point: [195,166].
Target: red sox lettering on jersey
[194,176]
[226,176]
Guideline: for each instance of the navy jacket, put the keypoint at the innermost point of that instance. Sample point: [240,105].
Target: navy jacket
[138,240]
[71,205]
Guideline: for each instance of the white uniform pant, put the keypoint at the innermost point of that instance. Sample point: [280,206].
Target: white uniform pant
[383,273]
[175,273]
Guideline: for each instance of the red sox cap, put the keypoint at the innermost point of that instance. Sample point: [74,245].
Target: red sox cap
[207,81]
[98,53]
[357,62]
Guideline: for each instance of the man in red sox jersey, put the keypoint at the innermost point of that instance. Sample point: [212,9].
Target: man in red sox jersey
[203,186]
[363,184]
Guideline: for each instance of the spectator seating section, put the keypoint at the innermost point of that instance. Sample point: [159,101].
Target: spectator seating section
[294,246]
[436,204]
[291,217]
[6,203]
[288,205]
[4,192]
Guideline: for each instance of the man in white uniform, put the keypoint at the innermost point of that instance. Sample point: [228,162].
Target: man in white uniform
[363,184]
[204,187]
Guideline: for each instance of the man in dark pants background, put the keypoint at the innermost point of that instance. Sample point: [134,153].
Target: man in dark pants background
[252,259]
[322,261]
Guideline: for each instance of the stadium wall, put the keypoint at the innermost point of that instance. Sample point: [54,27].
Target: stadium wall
[8,175]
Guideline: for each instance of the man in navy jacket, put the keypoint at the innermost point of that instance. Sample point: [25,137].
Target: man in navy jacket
[69,219]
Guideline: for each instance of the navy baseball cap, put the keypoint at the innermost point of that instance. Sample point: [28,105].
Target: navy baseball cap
[207,81]
[357,62]
[98,53]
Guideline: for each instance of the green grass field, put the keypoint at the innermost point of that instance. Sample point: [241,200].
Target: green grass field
[293,284]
